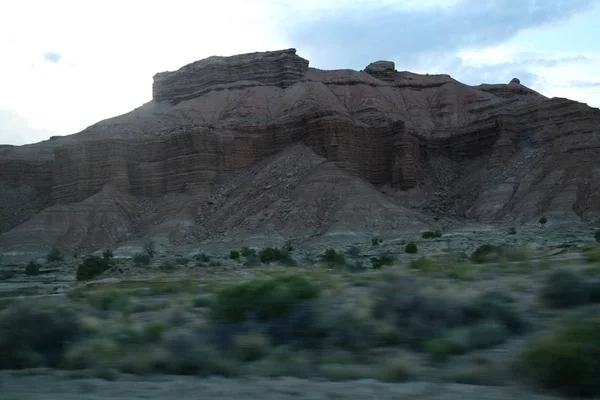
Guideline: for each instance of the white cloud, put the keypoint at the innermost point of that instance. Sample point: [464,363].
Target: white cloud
[108,51]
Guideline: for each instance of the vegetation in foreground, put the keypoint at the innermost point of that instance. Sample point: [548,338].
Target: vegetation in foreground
[393,321]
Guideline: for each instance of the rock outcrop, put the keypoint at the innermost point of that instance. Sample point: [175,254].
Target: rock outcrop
[274,68]
[260,145]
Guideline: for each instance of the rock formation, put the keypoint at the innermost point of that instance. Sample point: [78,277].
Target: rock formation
[261,145]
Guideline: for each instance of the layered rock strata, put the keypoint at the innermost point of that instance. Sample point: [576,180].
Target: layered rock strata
[488,153]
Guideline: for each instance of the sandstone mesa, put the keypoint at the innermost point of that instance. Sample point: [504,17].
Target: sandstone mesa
[262,147]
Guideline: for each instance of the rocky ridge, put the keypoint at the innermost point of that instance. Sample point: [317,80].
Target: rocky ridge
[363,147]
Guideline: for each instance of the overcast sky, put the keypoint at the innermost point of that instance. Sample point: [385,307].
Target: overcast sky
[65,65]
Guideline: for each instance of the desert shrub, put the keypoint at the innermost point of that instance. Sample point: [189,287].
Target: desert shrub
[420,315]
[384,259]
[188,354]
[167,266]
[107,300]
[498,307]
[439,349]
[597,236]
[149,248]
[153,332]
[32,268]
[491,253]
[486,253]
[91,353]
[543,221]
[487,334]
[512,231]
[376,241]
[411,248]
[332,258]
[262,299]
[107,254]
[346,372]
[592,254]
[422,264]
[431,234]
[93,266]
[288,246]
[141,259]
[182,260]
[567,361]
[54,255]
[35,333]
[251,347]
[202,257]
[252,260]
[564,289]
[356,266]
[247,252]
[396,370]
[234,255]
[269,254]
[353,251]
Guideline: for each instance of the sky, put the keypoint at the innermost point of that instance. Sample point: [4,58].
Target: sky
[65,65]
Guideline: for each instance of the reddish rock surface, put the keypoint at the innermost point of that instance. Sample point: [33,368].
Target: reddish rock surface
[261,144]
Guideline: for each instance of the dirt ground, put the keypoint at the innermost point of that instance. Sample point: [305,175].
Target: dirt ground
[48,385]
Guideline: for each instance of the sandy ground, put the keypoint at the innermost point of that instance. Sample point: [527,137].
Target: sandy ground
[55,386]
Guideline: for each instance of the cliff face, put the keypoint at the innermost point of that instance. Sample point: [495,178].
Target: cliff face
[274,68]
[430,143]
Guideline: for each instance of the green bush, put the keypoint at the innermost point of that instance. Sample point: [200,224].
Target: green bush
[543,220]
[567,361]
[423,264]
[411,248]
[234,255]
[93,266]
[141,259]
[597,236]
[512,231]
[32,268]
[564,289]
[486,253]
[439,349]
[107,254]
[149,248]
[248,252]
[376,241]
[592,254]
[35,333]
[353,251]
[420,315]
[168,266]
[187,354]
[269,255]
[431,234]
[384,259]
[54,255]
[251,347]
[262,299]
[202,257]
[182,260]
[288,246]
[332,258]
